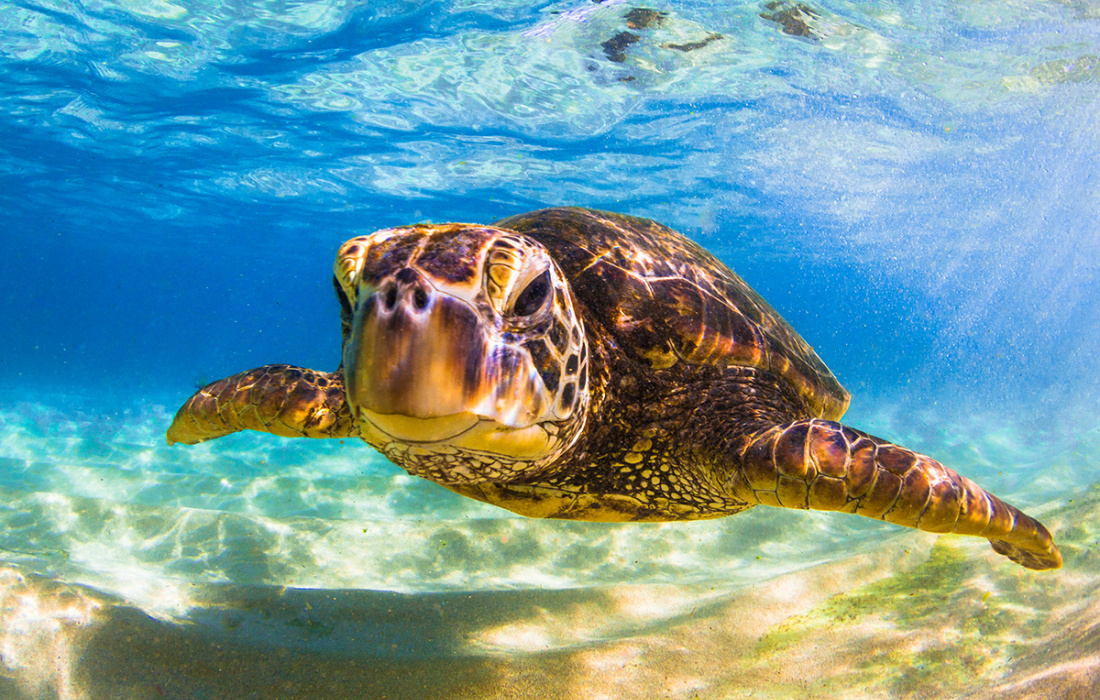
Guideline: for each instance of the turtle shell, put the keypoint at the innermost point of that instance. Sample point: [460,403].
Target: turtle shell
[666,300]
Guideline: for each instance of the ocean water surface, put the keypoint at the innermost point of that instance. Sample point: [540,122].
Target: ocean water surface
[914,186]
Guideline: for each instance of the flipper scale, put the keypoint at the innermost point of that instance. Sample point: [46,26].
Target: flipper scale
[822,465]
[279,399]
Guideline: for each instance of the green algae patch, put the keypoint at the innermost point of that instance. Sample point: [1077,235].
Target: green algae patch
[1076,528]
[942,671]
[929,629]
[907,595]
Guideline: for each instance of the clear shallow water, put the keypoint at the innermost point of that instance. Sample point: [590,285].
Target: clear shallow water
[913,188]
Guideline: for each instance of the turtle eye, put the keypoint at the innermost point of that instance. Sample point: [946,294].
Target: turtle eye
[533,296]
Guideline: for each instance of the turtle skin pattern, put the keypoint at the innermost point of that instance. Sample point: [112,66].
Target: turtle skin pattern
[824,465]
[279,399]
[667,300]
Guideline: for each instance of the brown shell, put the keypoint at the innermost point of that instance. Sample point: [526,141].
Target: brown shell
[668,300]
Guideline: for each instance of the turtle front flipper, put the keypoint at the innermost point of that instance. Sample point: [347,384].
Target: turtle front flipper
[279,399]
[824,465]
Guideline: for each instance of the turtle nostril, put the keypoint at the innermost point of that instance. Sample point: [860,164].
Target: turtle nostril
[389,299]
[420,299]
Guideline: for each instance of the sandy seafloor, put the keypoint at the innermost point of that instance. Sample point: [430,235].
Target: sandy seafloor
[912,185]
[256,567]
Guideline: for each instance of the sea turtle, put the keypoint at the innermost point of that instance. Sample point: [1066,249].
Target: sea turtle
[578,364]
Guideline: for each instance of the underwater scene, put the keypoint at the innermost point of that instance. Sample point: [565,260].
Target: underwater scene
[913,187]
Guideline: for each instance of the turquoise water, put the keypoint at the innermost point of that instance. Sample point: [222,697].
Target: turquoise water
[914,187]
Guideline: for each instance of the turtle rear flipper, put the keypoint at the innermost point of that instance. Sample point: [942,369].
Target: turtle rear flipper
[824,465]
[279,399]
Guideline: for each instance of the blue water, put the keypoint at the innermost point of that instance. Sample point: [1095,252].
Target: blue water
[914,187]
[176,181]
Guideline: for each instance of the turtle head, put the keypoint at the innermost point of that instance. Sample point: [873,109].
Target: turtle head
[464,357]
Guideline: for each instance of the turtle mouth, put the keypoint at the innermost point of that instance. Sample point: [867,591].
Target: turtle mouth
[412,430]
[462,431]
[423,366]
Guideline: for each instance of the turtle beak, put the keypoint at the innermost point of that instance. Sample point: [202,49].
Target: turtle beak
[421,365]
